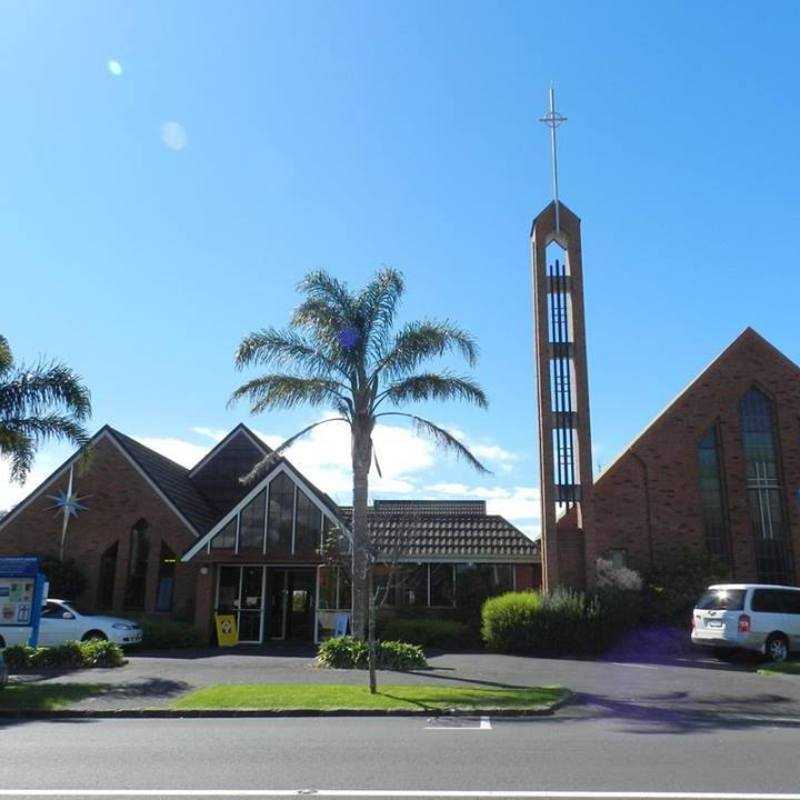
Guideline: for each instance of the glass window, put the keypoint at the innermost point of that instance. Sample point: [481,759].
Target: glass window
[166,579]
[791,602]
[228,589]
[327,588]
[411,582]
[442,584]
[107,575]
[281,512]
[345,590]
[251,523]
[773,550]
[226,538]
[722,600]
[767,600]
[711,494]
[137,565]
[307,527]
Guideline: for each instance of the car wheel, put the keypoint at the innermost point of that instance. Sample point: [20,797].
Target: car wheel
[777,647]
[87,637]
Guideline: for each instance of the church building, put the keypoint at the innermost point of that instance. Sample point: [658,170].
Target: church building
[717,472]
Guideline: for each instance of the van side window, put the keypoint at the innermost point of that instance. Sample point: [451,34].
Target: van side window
[767,600]
[791,602]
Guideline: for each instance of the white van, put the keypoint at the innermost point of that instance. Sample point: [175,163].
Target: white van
[750,616]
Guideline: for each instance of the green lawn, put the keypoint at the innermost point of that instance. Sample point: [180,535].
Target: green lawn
[337,697]
[46,696]
[786,668]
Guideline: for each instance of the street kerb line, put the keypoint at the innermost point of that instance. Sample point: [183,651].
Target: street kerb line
[512,794]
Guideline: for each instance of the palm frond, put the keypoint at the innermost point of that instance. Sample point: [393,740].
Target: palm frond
[442,438]
[288,391]
[283,348]
[19,449]
[272,458]
[6,358]
[377,305]
[34,390]
[418,341]
[434,386]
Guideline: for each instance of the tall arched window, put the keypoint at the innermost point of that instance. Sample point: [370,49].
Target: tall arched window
[105,581]
[764,490]
[712,494]
[137,565]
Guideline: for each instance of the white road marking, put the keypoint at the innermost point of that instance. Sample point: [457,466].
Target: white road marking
[485,724]
[378,793]
[628,664]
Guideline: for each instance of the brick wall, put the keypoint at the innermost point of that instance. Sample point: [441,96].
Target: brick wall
[116,497]
[648,502]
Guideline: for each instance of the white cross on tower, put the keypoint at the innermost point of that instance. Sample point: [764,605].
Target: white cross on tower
[553,119]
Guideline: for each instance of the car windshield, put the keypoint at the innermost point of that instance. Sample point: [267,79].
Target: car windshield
[722,600]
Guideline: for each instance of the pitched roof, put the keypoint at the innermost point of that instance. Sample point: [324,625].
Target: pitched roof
[746,337]
[433,530]
[172,479]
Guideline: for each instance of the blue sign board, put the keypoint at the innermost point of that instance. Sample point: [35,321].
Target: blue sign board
[21,594]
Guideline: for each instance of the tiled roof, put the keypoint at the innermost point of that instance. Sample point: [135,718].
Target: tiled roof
[436,533]
[173,480]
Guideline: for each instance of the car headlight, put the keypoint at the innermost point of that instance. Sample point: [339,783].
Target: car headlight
[123,626]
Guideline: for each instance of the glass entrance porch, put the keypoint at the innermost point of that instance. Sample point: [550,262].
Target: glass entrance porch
[269,603]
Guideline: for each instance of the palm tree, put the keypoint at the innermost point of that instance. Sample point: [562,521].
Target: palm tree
[341,351]
[47,401]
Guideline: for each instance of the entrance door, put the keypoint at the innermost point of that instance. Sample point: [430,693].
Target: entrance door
[290,610]
[240,591]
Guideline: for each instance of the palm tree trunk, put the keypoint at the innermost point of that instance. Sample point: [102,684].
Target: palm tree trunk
[361,445]
[373,677]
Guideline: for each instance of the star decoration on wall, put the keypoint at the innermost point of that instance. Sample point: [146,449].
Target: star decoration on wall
[68,502]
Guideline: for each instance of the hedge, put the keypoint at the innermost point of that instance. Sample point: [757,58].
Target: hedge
[167,634]
[70,655]
[564,622]
[444,633]
[346,652]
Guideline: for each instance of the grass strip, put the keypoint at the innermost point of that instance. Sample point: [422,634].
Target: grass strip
[340,697]
[784,668]
[47,696]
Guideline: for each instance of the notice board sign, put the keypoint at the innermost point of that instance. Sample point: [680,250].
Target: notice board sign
[17,589]
[21,594]
[227,632]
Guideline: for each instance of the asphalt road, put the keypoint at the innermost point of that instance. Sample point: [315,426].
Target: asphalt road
[578,749]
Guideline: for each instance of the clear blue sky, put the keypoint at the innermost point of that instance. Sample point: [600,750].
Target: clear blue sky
[350,135]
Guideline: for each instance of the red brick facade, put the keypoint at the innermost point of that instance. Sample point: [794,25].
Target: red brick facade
[116,496]
[648,502]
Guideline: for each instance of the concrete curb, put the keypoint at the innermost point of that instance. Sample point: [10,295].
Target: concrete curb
[171,713]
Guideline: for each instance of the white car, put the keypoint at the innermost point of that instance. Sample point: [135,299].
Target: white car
[750,616]
[62,622]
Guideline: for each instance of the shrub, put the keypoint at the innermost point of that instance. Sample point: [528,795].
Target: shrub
[70,655]
[609,576]
[347,652]
[564,622]
[167,634]
[672,588]
[444,633]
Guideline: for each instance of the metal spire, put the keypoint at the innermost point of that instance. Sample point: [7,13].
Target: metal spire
[553,119]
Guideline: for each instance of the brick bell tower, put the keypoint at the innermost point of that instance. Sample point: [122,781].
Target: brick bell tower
[565,443]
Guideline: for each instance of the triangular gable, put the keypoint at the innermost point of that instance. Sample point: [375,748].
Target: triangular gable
[748,335]
[283,466]
[240,430]
[105,433]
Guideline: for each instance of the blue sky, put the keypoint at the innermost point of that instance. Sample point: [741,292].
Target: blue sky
[351,135]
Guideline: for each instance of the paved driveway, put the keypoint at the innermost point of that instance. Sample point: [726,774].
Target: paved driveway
[629,687]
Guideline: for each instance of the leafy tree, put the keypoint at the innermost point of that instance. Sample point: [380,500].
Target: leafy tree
[45,401]
[342,351]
